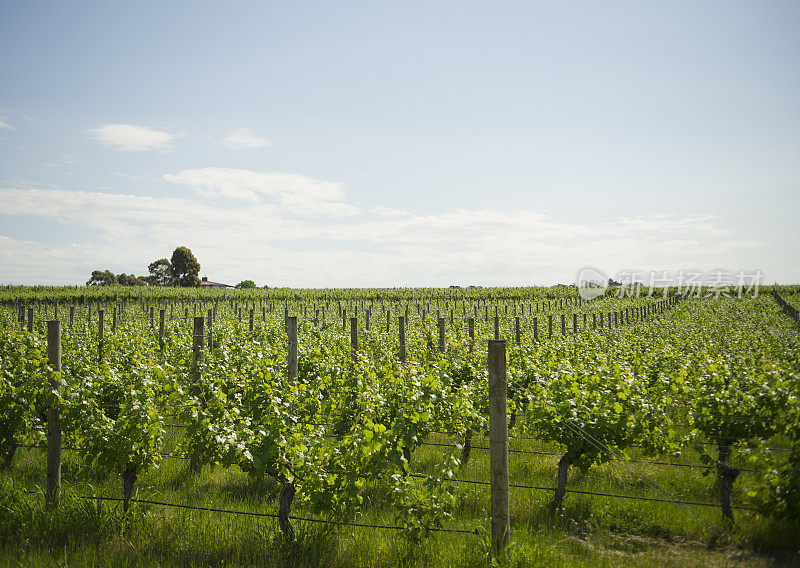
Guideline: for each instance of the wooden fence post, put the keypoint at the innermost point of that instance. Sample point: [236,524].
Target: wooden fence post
[402,323]
[210,332]
[198,339]
[496,328]
[471,331]
[440,325]
[161,316]
[100,330]
[354,339]
[53,427]
[498,444]
[517,334]
[291,331]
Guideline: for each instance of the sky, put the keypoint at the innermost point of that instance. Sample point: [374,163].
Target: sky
[351,144]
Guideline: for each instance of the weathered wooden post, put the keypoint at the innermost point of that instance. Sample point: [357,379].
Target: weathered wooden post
[402,324]
[496,328]
[471,333]
[291,332]
[198,339]
[517,334]
[53,427]
[100,326]
[161,317]
[498,445]
[440,325]
[354,339]
[210,332]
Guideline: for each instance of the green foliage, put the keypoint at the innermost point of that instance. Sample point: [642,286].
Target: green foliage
[24,390]
[102,278]
[160,272]
[346,431]
[185,268]
[130,280]
[246,285]
[107,278]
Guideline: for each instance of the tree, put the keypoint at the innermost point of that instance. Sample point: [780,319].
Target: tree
[102,278]
[160,272]
[185,268]
[245,284]
[130,280]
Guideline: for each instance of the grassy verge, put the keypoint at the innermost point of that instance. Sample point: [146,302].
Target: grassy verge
[591,531]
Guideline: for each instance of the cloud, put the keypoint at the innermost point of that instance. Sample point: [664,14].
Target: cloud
[388,212]
[130,138]
[699,224]
[299,195]
[5,125]
[296,231]
[244,138]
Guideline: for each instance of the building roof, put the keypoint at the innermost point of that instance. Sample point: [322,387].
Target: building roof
[207,282]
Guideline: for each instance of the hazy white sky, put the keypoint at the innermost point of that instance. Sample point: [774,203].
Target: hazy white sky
[408,143]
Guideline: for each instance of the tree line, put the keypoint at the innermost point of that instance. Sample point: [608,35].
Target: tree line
[182,269]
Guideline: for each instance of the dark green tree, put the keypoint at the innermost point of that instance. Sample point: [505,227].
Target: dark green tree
[130,280]
[245,284]
[185,268]
[102,278]
[160,272]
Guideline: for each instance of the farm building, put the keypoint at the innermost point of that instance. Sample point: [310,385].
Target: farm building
[206,283]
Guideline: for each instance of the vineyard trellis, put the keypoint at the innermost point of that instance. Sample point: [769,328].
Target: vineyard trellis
[325,408]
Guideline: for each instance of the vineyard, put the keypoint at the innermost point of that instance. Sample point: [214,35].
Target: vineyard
[357,427]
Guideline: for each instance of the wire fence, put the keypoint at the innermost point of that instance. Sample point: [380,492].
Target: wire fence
[475,531]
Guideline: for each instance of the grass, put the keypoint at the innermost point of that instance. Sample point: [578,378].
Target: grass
[591,531]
